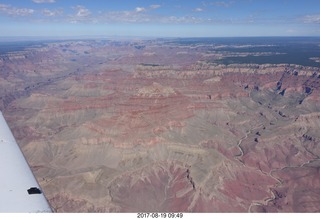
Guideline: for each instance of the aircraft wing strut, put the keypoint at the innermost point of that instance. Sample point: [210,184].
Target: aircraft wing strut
[19,190]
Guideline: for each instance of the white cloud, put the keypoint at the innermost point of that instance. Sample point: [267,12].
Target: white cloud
[315,19]
[13,11]
[223,4]
[138,15]
[124,17]
[21,11]
[52,13]
[198,9]
[4,7]
[81,11]
[140,9]
[43,1]
[183,20]
[81,15]
[155,6]
[151,7]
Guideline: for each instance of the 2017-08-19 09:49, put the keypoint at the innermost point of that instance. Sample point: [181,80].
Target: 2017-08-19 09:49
[159,215]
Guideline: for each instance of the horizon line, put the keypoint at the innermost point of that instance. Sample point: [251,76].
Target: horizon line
[75,37]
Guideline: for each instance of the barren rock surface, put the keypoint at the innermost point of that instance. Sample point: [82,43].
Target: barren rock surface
[109,127]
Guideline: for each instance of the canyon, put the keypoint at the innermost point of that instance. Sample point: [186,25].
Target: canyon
[158,126]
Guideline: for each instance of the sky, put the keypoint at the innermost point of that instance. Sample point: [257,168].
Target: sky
[155,18]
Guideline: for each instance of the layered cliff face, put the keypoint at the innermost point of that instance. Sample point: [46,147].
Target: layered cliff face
[118,135]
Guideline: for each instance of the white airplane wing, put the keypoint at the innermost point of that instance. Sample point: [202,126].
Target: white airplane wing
[19,190]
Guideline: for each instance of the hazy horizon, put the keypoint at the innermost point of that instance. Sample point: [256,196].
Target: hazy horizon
[9,39]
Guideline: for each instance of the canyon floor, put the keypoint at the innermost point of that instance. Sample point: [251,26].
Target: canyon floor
[154,125]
